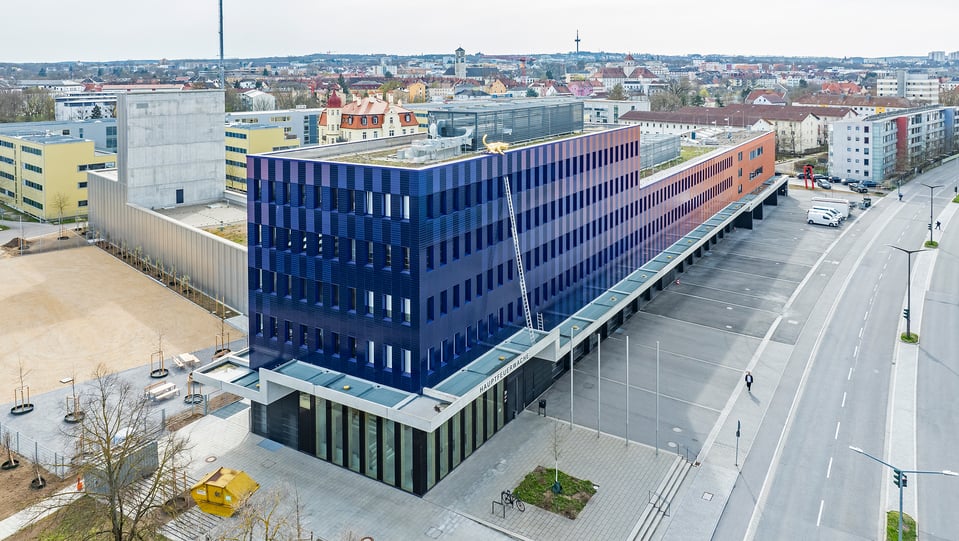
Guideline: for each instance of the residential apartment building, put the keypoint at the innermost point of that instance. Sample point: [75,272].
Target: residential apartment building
[45,174]
[245,139]
[380,288]
[364,119]
[920,88]
[862,105]
[798,129]
[879,146]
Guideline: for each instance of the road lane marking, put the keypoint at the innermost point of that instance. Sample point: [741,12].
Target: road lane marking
[842,406]
[849,377]
[866,315]
[855,352]
[829,468]
[759,507]
[860,333]
[836,437]
[819,517]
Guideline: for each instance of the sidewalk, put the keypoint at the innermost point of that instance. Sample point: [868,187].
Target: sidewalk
[702,500]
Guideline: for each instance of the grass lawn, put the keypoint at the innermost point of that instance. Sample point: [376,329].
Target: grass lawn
[536,489]
[80,520]
[892,527]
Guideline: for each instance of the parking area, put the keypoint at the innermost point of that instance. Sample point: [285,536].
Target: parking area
[708,325]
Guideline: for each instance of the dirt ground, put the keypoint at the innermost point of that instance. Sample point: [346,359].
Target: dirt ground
[17,482]
[64,312]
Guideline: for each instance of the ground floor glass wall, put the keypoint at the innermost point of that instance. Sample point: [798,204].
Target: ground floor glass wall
[382,449]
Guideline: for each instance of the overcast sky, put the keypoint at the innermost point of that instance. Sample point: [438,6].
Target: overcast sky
[102,30]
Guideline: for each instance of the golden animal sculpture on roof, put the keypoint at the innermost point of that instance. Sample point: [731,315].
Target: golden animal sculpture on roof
[496,147]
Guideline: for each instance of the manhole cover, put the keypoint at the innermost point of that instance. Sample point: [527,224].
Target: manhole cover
[708,496]
[211,458]
[434,532]
[677,429]
[729,326]
[671,444]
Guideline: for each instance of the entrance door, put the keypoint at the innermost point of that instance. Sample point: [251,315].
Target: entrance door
[179,196]
[514,402]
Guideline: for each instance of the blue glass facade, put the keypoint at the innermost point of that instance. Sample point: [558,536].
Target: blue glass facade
[402,276]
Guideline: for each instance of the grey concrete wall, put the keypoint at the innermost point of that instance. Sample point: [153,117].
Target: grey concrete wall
[216,266]
[169,141]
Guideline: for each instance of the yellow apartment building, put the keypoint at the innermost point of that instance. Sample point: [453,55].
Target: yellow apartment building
[245,138]
[45,175]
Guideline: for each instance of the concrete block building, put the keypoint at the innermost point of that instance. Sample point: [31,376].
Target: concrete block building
[171,152]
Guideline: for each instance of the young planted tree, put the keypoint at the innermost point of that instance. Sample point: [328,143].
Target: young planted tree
[129,457]
[60,202]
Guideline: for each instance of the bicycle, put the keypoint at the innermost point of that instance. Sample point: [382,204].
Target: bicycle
[508,498]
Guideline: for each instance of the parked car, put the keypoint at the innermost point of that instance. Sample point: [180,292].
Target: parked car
[801,176]
[868,183]
[834,178]
[824,184]
[856,187]
[819,176]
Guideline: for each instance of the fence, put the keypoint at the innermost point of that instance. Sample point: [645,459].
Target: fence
[30,449]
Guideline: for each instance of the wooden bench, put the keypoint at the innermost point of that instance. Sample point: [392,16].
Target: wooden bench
[161,389]
[154,388]
[172,392]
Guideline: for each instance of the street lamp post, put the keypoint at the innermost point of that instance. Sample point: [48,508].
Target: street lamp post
[572,361]
[900,478]
[931,187]
[908,313]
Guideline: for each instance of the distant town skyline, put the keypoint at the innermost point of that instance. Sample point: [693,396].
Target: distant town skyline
[110,30]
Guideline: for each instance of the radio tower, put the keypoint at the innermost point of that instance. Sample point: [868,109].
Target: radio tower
[577,42]
[222,73]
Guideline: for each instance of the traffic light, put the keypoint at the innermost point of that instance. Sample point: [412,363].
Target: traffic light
[900,479]
[905,313]
[929,226]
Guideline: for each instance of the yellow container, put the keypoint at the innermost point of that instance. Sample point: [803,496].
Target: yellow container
[222,491]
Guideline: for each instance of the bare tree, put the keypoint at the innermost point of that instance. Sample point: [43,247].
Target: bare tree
[129,457]
[60,202]
[270,516]
[37,105]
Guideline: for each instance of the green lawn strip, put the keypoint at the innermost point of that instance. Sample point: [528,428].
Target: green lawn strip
[536,489]
[910,338]
[892,527]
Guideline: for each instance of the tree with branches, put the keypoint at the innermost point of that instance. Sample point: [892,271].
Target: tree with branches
[60,202]
[271,516]
[129,457]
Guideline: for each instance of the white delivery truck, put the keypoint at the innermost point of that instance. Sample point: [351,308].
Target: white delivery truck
[838,203]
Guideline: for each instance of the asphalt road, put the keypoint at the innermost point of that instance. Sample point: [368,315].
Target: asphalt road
[801,481]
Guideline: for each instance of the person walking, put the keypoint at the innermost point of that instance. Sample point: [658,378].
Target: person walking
[749,381]
[938,224]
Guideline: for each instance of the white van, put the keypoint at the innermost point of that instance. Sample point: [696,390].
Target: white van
[821,217]
[831,211]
